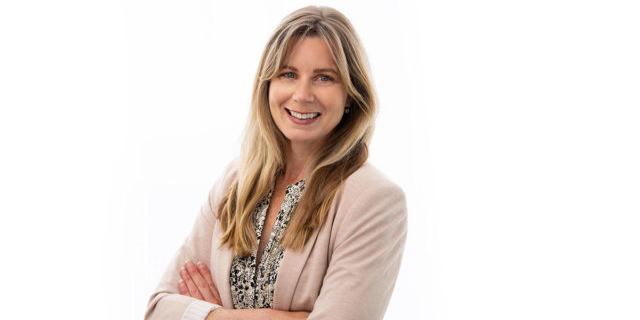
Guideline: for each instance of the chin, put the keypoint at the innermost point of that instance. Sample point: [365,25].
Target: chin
[301,138]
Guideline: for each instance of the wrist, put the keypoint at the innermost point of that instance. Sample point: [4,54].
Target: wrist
[272,314]
[214,314]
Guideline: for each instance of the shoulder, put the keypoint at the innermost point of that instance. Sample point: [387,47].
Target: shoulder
[228,177]
[222,185]
[368,192]
[369,203]
[369,181]
[230,172]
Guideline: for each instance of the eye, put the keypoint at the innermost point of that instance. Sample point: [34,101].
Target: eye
[325,78]
[289,75]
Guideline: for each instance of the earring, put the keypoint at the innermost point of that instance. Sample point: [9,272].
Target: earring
[347,109]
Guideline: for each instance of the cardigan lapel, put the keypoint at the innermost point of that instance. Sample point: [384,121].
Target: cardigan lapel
[289,273]
[221,266]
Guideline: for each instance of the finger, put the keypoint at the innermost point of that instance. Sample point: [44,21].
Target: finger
[207,277]
[182,288]
[199,280]
[191,286]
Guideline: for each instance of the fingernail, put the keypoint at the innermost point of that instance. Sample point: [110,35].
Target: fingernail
[180,281]
[187,261]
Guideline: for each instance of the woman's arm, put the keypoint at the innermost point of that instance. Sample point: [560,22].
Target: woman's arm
[255,314]
[197,283]
[364,264]
[166,303]
[366,258]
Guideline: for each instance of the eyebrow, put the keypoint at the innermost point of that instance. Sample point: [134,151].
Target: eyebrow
[314,70]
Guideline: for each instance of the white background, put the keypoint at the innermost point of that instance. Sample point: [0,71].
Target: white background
[513,127]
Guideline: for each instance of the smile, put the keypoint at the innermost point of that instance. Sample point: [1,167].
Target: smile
[302,116]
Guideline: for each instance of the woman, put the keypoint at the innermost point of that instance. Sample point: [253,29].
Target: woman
[338,226]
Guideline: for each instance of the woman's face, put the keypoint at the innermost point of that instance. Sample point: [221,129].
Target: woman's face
[307,97]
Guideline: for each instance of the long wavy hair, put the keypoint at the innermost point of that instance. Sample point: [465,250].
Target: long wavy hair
[263,150]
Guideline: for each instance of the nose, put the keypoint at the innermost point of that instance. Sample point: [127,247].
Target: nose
[303,93]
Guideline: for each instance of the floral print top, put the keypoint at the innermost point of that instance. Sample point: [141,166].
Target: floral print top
[251,290]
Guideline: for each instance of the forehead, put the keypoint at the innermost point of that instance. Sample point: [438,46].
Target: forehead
[311,52]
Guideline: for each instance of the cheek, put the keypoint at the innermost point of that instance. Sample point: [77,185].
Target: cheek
[336,101]
[271,95]
[277,94]
[273,102]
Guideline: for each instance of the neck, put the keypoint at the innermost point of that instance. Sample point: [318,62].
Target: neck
[298,159]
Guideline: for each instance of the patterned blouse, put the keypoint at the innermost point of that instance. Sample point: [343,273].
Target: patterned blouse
[248,289]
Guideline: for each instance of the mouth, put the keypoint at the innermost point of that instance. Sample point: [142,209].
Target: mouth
[302,116]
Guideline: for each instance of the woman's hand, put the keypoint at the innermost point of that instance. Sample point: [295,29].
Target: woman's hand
[196,282]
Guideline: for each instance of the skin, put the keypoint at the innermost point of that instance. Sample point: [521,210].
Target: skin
[308,83]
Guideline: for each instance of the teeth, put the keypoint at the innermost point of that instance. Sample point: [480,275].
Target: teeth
[303,116]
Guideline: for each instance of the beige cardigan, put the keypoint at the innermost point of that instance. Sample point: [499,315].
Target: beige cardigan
[346,271]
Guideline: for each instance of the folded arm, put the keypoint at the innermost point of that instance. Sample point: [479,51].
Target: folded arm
[255,314]
[166,303]
[197,282]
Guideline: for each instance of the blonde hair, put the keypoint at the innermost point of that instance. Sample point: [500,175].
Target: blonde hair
[263,150]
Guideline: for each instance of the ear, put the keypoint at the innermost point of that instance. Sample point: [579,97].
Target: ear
[348,102]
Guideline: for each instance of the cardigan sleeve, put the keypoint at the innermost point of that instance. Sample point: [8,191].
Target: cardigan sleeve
[366,256]
[166,302]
